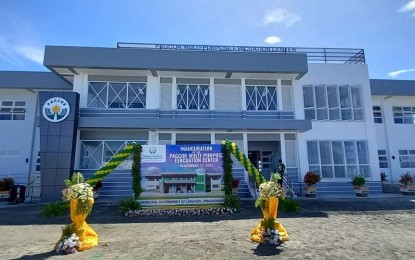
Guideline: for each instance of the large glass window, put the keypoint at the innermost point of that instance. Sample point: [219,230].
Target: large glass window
[12,110]
[407,158]
[192,96]
[338,159]
[403,115]
[332,102]
[261,98]
[117,94]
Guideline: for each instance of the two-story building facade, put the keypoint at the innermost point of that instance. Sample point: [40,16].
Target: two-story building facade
[307,107]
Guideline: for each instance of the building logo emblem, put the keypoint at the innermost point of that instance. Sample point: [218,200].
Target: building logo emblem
[153,150]
[56,109]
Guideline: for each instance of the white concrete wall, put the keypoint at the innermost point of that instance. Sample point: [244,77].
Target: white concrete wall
[338,74]
[394,137]
[18,135]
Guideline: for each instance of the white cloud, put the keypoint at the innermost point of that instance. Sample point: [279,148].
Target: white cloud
[408,7]
[394,74]
[31,53]
[272,39]
[281,16]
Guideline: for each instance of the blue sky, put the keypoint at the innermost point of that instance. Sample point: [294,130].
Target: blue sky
[384,28]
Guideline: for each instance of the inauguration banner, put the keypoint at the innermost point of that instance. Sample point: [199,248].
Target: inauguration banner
[180,175]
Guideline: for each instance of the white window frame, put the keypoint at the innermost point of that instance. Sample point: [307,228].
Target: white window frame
[407,156]
[317,167]
[383,159]
[377,115]
[193,99]
[403,114]
[14,111]
[86,154]
[135,90]
[354,109]
[261,104]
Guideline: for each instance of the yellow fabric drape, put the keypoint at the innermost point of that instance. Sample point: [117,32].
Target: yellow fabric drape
[87,236]
[270,212]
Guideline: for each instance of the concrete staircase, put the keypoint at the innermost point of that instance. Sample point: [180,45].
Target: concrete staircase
[116,185]
[243,190]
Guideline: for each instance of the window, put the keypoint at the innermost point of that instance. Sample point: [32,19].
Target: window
[192,96]
[338,159]
[261,98]
[117,94]
[404,115]
[12,110]
[407,158]
[377,114]
[332,102]
[383,159]
[37,165]
[95,154]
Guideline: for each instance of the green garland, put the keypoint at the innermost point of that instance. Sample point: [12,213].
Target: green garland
[227,169]
[249,167]
[111,165]
[131,149]
[136,171]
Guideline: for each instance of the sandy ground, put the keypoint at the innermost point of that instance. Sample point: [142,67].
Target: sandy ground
[325,229]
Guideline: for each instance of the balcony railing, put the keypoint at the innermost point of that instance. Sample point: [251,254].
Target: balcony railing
[193,114]
[314,55]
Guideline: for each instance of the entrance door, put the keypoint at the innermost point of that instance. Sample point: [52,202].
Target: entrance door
[264,157]
[264,151]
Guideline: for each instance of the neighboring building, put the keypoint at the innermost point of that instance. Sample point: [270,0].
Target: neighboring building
[312,108]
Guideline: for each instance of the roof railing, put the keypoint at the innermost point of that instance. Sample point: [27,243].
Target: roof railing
[314,55]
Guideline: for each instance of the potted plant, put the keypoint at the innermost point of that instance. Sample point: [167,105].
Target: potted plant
[311,179]
[359,186]
[5,186]
[407,186]
[235,184]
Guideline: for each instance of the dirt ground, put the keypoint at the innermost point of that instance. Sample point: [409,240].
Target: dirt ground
[373,228]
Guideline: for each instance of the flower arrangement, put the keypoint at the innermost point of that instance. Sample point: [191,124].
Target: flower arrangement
[311,178]
[269,189]
[69,241]
[81,191]
[68,245]
[406,179]
[271,237]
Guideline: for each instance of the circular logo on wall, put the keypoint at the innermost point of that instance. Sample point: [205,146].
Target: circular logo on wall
[56,109]
[153,150]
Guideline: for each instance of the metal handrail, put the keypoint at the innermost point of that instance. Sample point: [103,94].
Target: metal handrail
[29,189]
[287,182]
[319,55]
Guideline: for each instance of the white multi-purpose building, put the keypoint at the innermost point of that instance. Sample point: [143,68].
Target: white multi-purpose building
[315,109]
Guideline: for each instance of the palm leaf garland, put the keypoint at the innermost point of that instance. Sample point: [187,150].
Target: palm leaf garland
[227,169]
[136,171]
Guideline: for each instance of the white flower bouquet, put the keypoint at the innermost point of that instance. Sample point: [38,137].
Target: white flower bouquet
[68,245]
[269,189]
[271,237]
[81,191]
